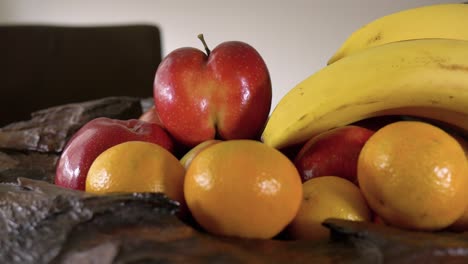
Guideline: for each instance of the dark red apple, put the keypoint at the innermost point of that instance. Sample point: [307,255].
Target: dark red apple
[95,137]
[332,153]
[224,94]
[151,116]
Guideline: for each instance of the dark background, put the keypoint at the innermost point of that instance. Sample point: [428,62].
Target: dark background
[47,65]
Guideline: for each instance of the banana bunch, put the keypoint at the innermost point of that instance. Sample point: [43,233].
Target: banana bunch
[423,74]
[448,21]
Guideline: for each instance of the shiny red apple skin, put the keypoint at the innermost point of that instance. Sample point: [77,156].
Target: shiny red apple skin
[225,95]
[332,153]
[95,137]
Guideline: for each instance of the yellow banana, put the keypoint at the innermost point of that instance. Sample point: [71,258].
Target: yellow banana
[426,78]
[435,21]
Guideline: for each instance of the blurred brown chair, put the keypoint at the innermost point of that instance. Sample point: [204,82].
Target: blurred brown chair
[43,66]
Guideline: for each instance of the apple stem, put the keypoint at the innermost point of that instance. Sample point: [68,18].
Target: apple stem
[200,36]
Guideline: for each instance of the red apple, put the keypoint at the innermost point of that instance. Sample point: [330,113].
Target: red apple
[151,116]
[190,155]
[225,93]
[332,153]
[96,136]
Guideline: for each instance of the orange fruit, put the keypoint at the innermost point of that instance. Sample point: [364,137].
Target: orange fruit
[414,176]
[136,166]
[462,222]
[193,152]
[242,188]
[327,197]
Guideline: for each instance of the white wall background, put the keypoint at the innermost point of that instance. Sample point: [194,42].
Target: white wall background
[295,37]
